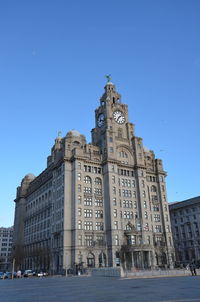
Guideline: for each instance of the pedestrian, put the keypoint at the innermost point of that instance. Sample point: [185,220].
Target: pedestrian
[19,274]
[193,268]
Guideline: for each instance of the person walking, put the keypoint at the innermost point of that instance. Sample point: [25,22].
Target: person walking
[192,267]
[19,274]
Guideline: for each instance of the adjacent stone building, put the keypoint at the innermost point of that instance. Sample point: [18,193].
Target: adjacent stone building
[97,204]
[185,219]
[6,239]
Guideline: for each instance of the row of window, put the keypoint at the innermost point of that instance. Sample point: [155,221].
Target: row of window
[88,190]
[92,169]
[6,244]
[126,203]
[89,213]
[98,202]
[91,241]
[126,172]
[45,197]
[88,180]
[88,226]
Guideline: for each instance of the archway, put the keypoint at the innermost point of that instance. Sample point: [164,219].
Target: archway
[91,260]
[102,259]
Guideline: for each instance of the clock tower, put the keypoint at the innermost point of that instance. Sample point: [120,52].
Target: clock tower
[115,137]
[112,125]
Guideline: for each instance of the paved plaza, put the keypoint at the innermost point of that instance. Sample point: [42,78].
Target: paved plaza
[100,289]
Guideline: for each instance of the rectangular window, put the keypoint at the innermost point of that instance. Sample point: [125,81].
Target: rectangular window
[98,191]
[156,208]
[80,225]
[113,179]
[99,240]
[116,240]
[143,184]
[127,203]
[132,240]
[88,240]
[88,190]
[157,217]
[88,213]
[99,213]
[98,202]
[88,225]
[88,201]
[116,225]
[115,213]
[158,228]
[128,214]
[99,226]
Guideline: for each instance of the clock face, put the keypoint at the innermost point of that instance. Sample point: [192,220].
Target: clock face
[119,117]
[101,120]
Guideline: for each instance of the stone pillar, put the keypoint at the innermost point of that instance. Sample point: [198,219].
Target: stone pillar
[132,258]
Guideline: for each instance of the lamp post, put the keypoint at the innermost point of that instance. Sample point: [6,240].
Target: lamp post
[13,268]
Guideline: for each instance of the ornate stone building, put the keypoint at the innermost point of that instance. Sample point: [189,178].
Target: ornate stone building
[185,219]
[97,204]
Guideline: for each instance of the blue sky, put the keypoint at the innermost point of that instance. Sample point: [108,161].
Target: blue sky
[53,58]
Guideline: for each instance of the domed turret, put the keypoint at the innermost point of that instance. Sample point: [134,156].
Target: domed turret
[73,133]
[30,176]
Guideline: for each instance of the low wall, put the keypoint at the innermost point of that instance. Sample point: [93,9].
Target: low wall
[106,272]
[152,273]
[119,272]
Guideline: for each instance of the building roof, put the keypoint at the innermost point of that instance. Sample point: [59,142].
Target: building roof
[184,203]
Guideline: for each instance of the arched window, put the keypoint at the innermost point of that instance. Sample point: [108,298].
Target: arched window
[98,181]
[102,259]
[87,180]
[90,260]
[123,154]
[153,189]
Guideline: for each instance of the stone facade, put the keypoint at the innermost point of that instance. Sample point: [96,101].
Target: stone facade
[185,219]
[6,239]
[98,204]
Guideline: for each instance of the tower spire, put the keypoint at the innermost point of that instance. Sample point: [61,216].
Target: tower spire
[108,77]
